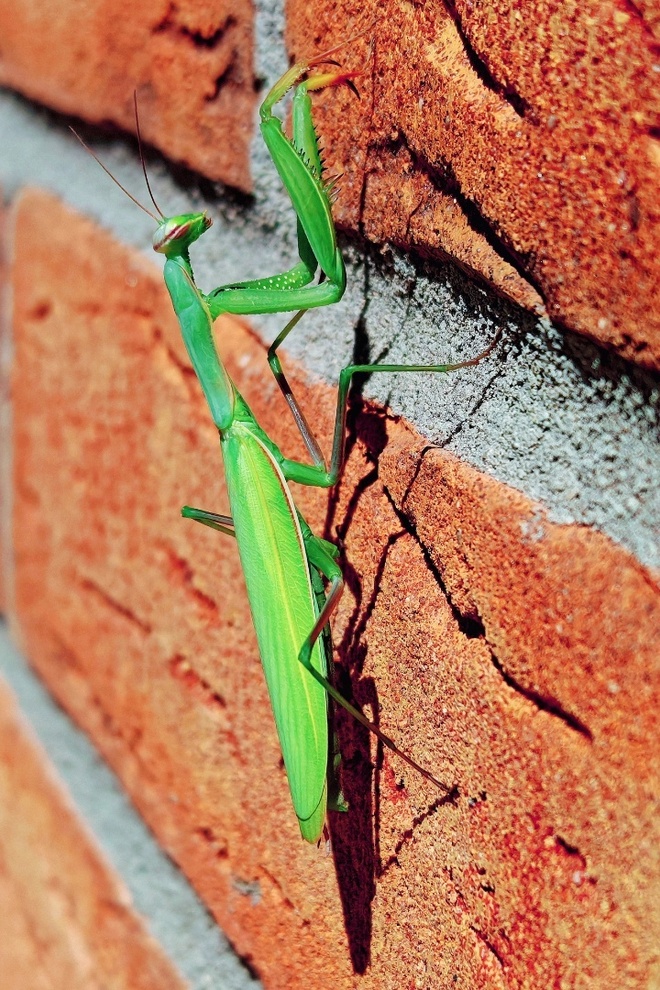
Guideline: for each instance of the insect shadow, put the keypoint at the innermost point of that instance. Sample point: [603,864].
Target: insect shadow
[355,837]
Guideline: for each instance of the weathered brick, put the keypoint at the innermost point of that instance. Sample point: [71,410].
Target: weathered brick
[521,140]
[191,64]
[506,653]
[67,917]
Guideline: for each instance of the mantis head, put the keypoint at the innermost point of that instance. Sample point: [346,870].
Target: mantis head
[175,234]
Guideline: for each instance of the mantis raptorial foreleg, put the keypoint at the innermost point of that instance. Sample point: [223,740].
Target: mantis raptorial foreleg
[298,162]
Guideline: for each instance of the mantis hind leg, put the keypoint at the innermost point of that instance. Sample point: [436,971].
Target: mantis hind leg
[335,797]
[324,561]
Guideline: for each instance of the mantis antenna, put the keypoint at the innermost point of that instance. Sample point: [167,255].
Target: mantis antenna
[115,180]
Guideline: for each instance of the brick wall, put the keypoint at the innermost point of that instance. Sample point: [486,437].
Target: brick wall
[496,525]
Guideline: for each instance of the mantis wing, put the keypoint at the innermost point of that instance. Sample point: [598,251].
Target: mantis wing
[284,610]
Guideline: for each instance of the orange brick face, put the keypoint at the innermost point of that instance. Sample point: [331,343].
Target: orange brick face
[67,918]
[520,140]
[191,66]
[493,645]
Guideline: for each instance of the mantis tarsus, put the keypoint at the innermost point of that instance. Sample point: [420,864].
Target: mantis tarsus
[284,563]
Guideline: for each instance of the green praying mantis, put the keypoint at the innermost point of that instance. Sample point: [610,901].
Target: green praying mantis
[293,579]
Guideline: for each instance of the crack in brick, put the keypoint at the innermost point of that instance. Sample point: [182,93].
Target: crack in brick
[572,850]
[521,107]
[366,170]
[181,669]
[184,574]
[409,833]
[478,403]
[544,703]
[115,605]
[286,901]
[169,24]
[472,627]
[219,847]
[129,736]
[183,367]
[483,938]
[224,78]
[212,39]
[634,10]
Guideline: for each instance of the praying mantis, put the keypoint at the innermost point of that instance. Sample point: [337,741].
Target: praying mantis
[286,566]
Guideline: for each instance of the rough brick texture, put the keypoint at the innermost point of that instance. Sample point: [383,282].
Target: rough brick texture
[521,139]
[67,918]
[509,654]
[191,64]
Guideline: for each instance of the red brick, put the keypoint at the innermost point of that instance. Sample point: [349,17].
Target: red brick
[520,140]
[542,872]
[191,64]
[67,917]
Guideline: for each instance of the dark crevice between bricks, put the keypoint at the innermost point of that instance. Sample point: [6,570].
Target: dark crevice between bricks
[445,181]
[521,107]
[602,369]
[247,961]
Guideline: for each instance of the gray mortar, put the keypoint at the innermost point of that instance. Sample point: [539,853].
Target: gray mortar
[560,419]
[160,893]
